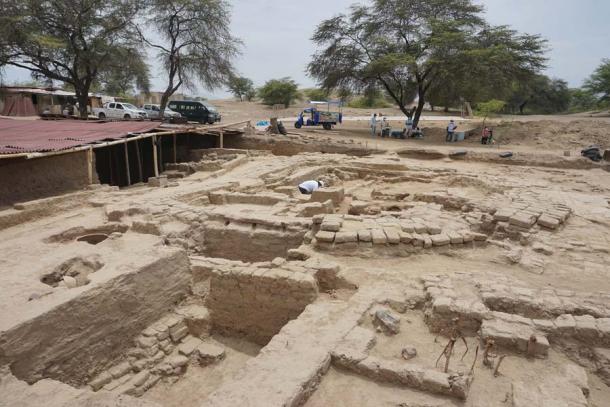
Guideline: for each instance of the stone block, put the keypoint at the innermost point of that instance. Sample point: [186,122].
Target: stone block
[346,237]
[209,353]
[317,219]
[455,238]
[586,327]
[388,320]
[503,214]
[566,324]
[548,222]
[120,370]
[522,220]
[357,207]
[179,331]
[379,237]
[365,236]
[177,361]
[427,242]
[418,240]
[140,378]
[434,230]
[188,345]
[325,237]
[100,381]
[146,342]
[160,181]
[392,235]
[405,237]
[331,225]
[440,240]
[336,195]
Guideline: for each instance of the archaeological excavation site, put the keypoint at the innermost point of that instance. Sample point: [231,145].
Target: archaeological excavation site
[412,278]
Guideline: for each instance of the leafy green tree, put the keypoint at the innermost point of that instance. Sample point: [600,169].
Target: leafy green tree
[196,43]
[490,108]
[279,91]
[125,72]
[599,82]
[241,87]
[541,95]
[316,94]
[66,40]
[408,46]
[582,100]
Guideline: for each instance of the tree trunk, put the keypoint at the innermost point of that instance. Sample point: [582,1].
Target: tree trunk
[446,109]
[82,96]
[420,107]
[522,106]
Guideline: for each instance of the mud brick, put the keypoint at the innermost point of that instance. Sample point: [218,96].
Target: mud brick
[379,236]
[405,237]
[346,237]
[210,353]
[440,240]
[331,225]
[325,237]
[120,370]
[365,236]
[522,220]
[177,332]
[392,235]
[548,222]
[100,381]
[455,238]
[503,214]
[418,240]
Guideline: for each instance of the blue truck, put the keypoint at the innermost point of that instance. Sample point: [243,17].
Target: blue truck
[312,116]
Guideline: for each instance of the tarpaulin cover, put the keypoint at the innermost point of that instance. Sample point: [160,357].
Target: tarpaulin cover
[28,136]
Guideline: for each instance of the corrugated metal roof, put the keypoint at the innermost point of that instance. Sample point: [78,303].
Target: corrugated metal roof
[28,136]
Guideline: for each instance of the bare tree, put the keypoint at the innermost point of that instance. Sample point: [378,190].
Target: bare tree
[196,46]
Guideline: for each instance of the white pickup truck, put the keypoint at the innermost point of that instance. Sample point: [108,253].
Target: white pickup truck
[119,110]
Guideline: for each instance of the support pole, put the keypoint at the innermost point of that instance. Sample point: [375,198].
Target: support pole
[175,152]
[90,165]
[160,142]
[221,139]
[155,161]
[127,165]
[139,161]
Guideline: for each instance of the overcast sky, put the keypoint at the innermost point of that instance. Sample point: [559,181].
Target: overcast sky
[276,35]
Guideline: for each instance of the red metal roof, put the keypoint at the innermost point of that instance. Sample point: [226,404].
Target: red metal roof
[28,136]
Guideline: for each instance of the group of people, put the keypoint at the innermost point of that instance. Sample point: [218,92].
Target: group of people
[409,131]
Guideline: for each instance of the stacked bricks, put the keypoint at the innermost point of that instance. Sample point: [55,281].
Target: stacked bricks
[165,348]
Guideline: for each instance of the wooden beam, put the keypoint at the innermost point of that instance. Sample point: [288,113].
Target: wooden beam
[160,143]
[155,162]
[141,179]
[221,139]
[175,152]
[127,165]
[90,165]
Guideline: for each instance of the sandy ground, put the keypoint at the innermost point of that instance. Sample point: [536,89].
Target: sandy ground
[575,258]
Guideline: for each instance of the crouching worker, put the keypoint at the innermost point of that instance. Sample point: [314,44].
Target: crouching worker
[308,187]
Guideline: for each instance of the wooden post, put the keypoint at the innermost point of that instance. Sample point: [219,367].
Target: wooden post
[175,152]
[221,139]
[155,161]
[141,179]
[127,164]
[160,142]
[90,165]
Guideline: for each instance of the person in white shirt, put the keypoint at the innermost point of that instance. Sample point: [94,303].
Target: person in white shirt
[308,187]
[451,131]
[374,125]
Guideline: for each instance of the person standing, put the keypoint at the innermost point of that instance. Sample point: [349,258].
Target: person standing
[451,131]
[374,125]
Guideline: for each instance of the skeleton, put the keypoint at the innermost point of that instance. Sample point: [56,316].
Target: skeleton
[487,355]
[448,351]
[497,369]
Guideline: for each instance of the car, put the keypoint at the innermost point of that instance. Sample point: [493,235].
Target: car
[195,111]
[119,110]
[153,110]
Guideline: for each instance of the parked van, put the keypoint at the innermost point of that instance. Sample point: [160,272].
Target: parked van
[195,111]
